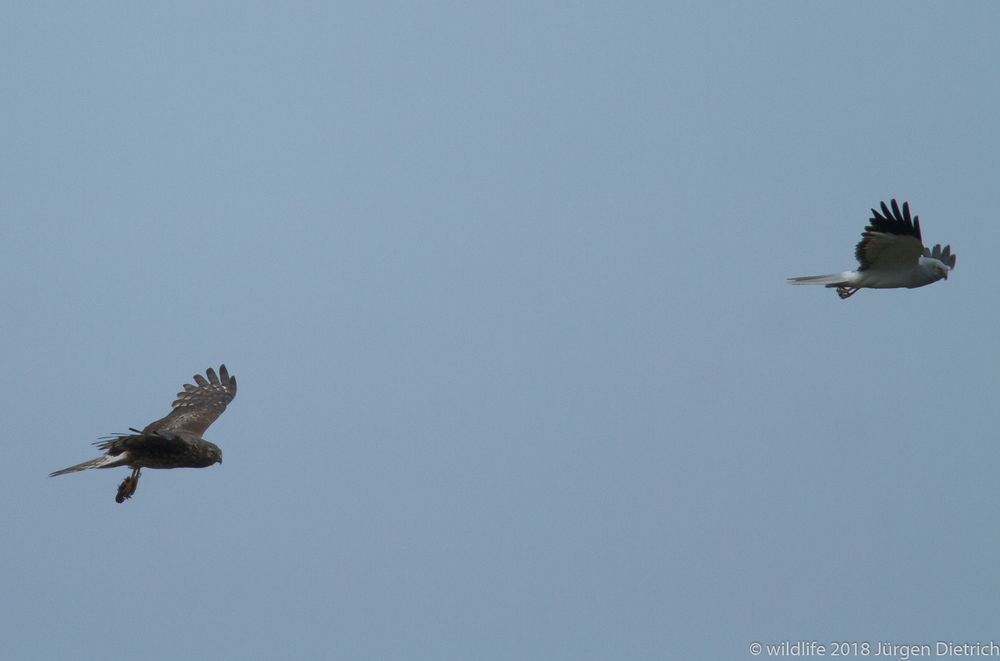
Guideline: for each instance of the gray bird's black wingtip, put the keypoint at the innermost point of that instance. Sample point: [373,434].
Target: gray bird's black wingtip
[894,221]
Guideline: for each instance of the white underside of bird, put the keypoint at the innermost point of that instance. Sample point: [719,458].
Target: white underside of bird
[924,274]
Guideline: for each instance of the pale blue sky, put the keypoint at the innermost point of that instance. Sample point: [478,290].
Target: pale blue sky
[504,289]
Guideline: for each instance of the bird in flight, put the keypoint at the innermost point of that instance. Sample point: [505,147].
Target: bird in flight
[173,441]
[890,255]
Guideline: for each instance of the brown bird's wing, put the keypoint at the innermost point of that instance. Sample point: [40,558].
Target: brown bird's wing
[198,406]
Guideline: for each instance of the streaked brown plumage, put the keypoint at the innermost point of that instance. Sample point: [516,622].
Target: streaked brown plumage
[173,441]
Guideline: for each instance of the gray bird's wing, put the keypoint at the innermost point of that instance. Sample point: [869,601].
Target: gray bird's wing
[943,256]
[891,241]
[198,406]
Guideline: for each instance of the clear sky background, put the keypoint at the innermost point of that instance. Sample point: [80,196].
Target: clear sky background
[504,289]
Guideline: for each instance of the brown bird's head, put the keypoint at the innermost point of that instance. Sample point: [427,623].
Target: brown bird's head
[211,453]
[206,454]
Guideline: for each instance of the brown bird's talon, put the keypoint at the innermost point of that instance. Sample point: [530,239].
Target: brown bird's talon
[128,486]
[122,491]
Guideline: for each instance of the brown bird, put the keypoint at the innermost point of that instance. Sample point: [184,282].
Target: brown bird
[173,441]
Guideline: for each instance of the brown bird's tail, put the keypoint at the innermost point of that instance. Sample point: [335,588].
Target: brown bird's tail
[106,461]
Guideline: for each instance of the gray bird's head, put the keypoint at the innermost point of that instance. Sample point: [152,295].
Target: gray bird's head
[938,269]
[937,262]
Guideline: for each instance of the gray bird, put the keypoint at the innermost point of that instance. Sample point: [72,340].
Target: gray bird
[173,441]
[891,255]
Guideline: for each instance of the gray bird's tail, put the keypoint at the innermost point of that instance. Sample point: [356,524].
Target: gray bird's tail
[830,280]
